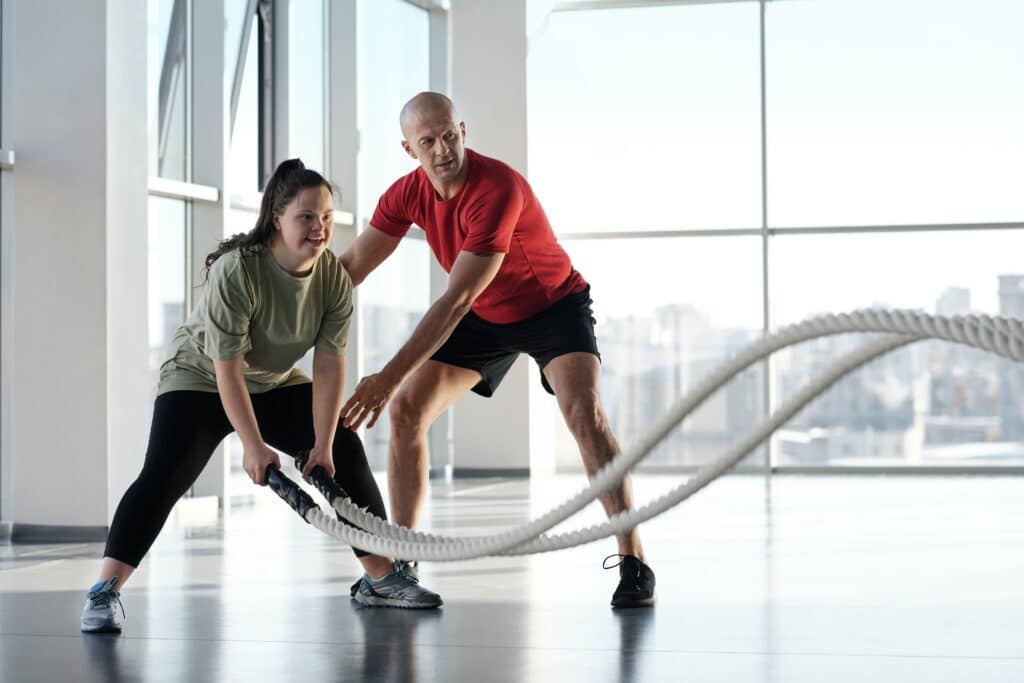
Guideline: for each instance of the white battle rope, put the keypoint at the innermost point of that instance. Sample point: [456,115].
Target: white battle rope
[999,335]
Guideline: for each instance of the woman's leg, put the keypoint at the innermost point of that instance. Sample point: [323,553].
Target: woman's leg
[286,421]
[186,428]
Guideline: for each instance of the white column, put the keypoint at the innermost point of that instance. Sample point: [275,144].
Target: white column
[130,391]
[508,432]
[68,413]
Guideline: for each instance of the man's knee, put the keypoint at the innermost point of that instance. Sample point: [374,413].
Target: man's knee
[584,415]
[407,418]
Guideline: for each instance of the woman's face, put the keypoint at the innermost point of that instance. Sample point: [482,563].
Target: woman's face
[305,226]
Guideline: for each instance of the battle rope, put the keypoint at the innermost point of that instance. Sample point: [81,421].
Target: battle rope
[999,335]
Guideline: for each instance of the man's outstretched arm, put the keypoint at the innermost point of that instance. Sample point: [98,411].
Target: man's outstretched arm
[470,275]
[367,252]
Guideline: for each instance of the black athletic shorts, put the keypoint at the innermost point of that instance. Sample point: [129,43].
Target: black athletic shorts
[567,326]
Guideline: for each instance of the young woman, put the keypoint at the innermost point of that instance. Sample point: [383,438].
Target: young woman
[270,295]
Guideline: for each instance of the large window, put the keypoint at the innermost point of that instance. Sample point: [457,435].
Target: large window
[168,219]
[168,89]
[243,156]
[661,334]
[393,66]
[647,119]
[931,404]
[884,112]
[306,82]
[892,153]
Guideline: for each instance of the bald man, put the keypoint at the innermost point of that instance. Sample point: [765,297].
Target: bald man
[511,289]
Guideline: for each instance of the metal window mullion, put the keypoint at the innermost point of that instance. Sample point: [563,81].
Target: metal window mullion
[766,395]
[265,90]
[281,85]
[773,232]
[584,5]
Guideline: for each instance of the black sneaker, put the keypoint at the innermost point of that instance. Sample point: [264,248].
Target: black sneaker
[636,582]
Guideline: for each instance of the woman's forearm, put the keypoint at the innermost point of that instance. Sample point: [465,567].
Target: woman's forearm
[328,386]
[237,405]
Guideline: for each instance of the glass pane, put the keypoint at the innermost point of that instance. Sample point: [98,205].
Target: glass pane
[306,60]
[392,300]
[235,18]
[166,234]
[393,66]
[933,403]
[167,87]
[243,162]
[647,119]
[659,336]
[394,63]
[885,112]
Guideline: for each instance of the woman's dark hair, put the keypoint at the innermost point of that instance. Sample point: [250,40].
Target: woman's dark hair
[288,179]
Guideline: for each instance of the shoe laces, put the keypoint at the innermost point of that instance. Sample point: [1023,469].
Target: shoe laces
[621,559]
[105,597]
[402,568]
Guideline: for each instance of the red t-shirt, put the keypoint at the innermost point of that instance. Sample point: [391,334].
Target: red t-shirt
[495,212]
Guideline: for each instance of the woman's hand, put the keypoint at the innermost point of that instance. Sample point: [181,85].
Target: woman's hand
[255,461]
[319,456]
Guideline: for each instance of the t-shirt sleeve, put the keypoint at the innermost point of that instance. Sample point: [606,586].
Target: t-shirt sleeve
[333,334]
[491,219]
[229,307]
[392,213]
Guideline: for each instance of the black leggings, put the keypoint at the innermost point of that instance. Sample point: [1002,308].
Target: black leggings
[188,425]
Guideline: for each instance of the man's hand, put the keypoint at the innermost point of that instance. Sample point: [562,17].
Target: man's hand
[371,395]
[319,457]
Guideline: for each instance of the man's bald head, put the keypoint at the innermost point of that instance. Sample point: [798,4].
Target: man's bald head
[434,136]
[429,104]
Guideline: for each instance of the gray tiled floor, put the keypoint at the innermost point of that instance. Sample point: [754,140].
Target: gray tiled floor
[811,579]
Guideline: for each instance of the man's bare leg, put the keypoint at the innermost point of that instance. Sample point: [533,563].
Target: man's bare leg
[423,397]
[576,377]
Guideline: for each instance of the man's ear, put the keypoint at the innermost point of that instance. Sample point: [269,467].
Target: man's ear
[408,148]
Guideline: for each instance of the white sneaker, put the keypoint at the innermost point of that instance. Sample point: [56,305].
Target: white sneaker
[99,614]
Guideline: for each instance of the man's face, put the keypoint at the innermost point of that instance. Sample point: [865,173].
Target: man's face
[437,142]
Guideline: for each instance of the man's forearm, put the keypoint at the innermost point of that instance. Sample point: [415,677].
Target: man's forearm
[433,330]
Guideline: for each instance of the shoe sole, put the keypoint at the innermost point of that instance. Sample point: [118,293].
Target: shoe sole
[374,601]
[644,602]
[100,628]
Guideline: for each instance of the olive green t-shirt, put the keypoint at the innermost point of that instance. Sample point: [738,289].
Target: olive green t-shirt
[252,307]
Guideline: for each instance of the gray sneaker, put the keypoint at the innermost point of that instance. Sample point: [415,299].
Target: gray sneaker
[411,567]
[99,614]
[400,588]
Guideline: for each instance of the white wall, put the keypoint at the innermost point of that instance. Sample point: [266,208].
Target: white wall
[75,184]
[129,389]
